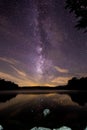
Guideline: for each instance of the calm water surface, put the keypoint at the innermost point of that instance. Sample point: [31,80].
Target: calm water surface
[25,111]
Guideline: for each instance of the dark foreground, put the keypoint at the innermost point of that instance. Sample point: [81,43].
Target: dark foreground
[25,110]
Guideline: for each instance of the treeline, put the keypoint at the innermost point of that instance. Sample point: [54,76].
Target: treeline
[8,85]
[77,84]
[73,84]
[80,84]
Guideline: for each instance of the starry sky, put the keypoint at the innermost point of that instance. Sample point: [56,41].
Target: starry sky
[39,44]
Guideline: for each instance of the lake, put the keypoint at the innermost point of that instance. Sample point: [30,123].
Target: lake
[25,110]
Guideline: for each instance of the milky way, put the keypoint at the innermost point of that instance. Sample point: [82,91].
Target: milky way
[41,60]
[39,44]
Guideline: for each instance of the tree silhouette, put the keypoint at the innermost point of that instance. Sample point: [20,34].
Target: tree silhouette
[77,84]
[79,8]
[7,85]
[79,95]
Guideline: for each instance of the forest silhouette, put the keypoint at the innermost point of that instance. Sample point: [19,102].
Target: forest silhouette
[75,88]
[73,84]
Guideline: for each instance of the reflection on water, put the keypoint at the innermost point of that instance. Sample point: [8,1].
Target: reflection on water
[25,111]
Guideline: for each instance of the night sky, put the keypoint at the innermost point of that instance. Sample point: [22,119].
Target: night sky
[39,44]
